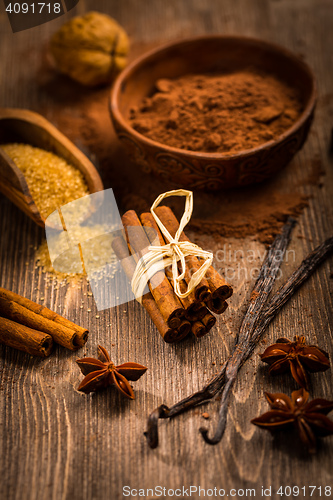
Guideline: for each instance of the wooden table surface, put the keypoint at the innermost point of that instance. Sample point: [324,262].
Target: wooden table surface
[56,443]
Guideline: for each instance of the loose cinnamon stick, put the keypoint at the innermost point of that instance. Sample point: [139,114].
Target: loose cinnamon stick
[15,312]
[81,334]
[166,300]
[171,223]
[194,309]
[25,339]
[128,263]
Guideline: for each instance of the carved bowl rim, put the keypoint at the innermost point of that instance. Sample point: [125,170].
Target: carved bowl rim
[119,118]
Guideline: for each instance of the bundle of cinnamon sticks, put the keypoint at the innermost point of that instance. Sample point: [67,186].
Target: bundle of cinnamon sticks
[33,328]
[174,317]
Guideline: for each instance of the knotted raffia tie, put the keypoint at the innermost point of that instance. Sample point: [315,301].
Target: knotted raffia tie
[159,257]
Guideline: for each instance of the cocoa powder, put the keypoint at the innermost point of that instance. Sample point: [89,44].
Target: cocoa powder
[255,211]
[217,114]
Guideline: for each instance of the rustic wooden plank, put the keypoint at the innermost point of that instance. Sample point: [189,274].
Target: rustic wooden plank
[56,443]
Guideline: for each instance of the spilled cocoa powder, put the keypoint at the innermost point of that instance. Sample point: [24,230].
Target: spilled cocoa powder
[256,211]
[217,113]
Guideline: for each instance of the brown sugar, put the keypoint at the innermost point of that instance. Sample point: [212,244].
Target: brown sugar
[51,180]
[217,113]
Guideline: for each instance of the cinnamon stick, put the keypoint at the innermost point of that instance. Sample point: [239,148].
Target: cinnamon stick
[183,330]
[169,220]
[128,263]
[201,328]
[218,285]
[216,305]
[213,280]
[198,329]
[160,287]
[209,321]
[81,334]
[25,339]
[19,314]
[194,309]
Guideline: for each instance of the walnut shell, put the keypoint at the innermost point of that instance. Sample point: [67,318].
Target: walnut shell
[90,49]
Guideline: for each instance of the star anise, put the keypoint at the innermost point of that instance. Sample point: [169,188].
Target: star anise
[100,373]
[298,356]
[309,418]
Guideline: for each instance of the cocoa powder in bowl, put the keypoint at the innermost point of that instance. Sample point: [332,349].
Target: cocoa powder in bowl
[223,113]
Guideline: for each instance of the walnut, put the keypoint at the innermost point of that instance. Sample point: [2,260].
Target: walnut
[90,49]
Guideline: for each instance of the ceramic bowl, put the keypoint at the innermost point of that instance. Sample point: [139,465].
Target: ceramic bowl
[201,170]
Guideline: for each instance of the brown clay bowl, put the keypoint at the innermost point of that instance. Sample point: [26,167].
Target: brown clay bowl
[200,170]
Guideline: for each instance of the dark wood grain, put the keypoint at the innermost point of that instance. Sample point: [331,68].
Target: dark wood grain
[58,444]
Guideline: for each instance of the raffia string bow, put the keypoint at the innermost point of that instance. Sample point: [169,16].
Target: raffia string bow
[159,257]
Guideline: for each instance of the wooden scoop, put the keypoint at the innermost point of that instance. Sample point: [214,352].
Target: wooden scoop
[23,126]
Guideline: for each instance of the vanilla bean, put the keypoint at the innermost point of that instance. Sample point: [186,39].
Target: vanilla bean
[265,280]
[209,391]
[260,293]
[216,384]
[259,296]
[286,291]
[245,349]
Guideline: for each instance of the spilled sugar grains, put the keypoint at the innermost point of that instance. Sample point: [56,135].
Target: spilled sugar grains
[99,258]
